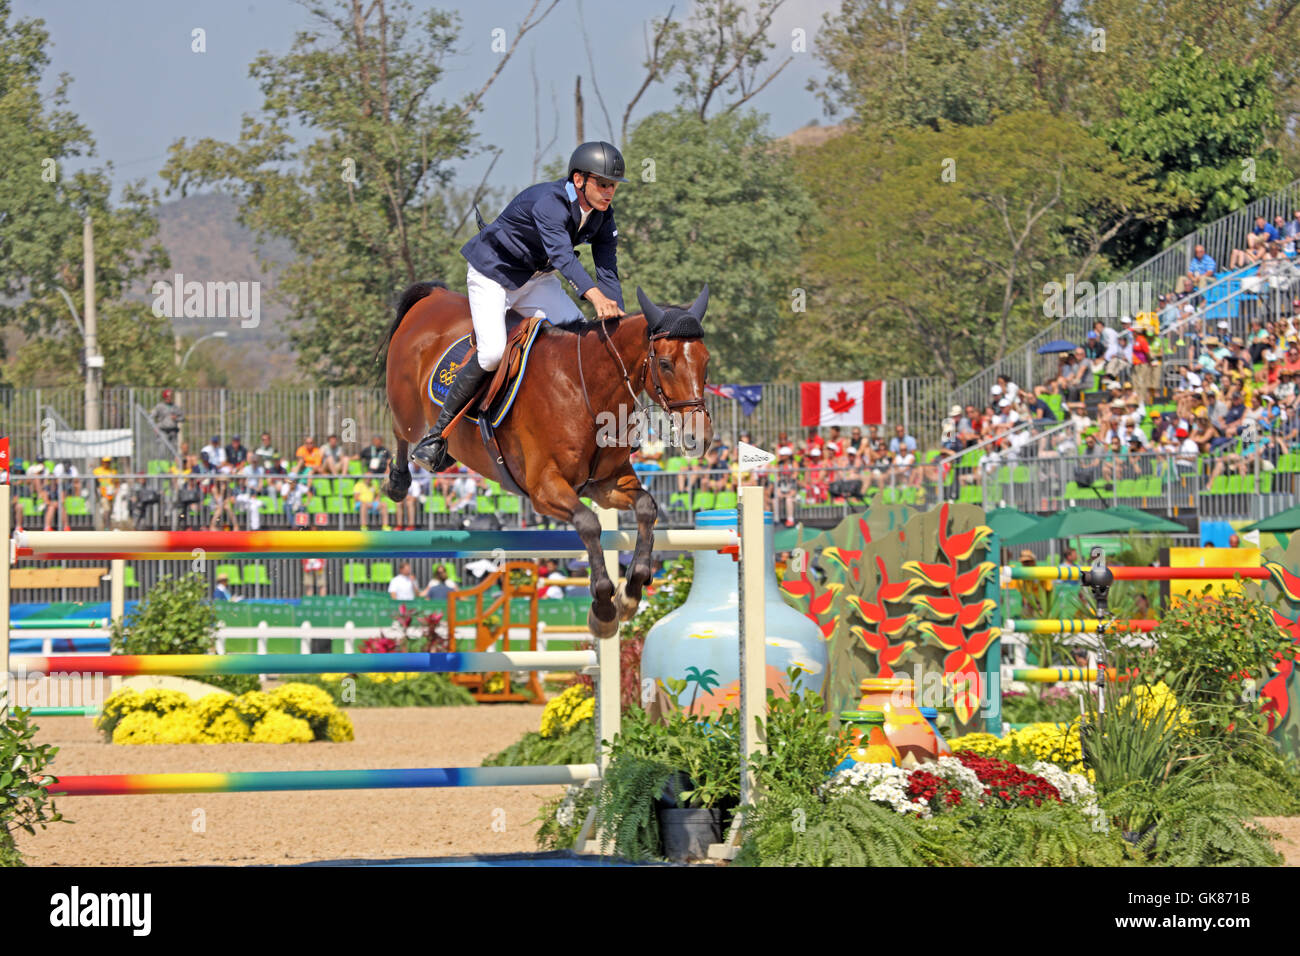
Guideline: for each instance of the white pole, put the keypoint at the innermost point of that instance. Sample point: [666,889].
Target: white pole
[117,589]
[608,717]
[5,560]
[753,634]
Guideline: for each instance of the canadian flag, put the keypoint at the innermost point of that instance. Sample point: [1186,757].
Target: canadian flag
[842,403]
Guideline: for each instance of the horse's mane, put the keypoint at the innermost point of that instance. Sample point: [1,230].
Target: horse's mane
[411,296]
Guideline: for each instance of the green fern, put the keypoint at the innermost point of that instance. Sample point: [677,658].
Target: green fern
[626,811]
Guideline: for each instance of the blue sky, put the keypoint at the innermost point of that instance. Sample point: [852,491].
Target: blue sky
[138,87]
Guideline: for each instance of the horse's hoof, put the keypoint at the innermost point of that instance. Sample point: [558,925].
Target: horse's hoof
[627,607]
[599,628]
[396,485]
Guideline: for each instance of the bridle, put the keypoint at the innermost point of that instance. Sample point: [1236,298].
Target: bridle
[648,373]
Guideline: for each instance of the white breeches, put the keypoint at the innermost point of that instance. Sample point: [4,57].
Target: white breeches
[489,300]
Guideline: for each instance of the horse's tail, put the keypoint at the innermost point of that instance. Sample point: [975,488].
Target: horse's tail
[411,296]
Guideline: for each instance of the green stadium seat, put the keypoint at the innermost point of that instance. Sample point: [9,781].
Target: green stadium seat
[493,488]
[1248,485]
[256,574]
[1219,485]
[355,572]
[725,499]
[1234,485]
[1127,488]
[334,505]
[128,579]
[344,486]
[232,571]
[1020,474]
[381,572]
[355,468]
[485,504]
[680,499]
[1073,490]
[435,505]
[1266,483]
[315,505]
[76,506]
[703,501]
[509,505]
[322,486]
[29,507]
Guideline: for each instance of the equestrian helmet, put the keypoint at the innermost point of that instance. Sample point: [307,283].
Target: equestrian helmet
[597,159]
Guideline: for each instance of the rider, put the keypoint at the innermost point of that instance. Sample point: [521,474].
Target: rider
[513,264]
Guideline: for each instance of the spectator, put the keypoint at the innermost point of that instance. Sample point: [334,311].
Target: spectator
[216,455]
[464,491]
[265,449]
[407,508]
[787,486]
[309,455]
[223,504]
[376,457]
[901,441]
[333,460]
[363,494]
[438,588]
[106,476]
[954,427]
[1169,313]
[188,496]
[313,577]
[1256,240]
[1200,272]
[1292,231]
[222,591]
[167,419]
[236,453]
[402,586]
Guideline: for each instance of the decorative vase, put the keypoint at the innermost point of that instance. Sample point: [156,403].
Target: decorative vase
[687,833]
[904,725]
[870,745]
[699,642]
[931,716]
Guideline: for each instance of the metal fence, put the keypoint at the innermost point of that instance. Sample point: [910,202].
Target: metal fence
[1158,275]
[356,415]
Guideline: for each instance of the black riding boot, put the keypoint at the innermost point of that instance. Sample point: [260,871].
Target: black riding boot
[431,452]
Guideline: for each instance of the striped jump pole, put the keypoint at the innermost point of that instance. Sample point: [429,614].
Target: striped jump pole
[1053,675]
[126,784]
[180,665]
[178,545]
[1070,572]
[1079,625]
[51,624]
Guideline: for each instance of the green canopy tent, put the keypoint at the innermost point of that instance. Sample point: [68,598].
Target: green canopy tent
[1073,522]
[1148,523]
[1284,521]
[1009,522]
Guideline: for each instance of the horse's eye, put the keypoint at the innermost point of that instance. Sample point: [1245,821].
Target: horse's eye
[666,365]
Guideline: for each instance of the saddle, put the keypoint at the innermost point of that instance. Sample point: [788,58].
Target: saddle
[520,332]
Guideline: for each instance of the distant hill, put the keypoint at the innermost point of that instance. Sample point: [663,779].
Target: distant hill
[206,243]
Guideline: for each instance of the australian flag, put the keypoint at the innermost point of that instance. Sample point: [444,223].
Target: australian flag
[748,395]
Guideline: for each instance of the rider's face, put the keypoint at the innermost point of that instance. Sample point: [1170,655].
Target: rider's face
[599,192]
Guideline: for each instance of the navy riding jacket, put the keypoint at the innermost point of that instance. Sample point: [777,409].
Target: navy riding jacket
[537,233]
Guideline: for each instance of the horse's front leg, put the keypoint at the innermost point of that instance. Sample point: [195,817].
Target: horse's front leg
[625,493]
[555,497]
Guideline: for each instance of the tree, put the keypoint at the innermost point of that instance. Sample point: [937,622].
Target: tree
[42,207]
[136,345]
[364,203]
[923,62]
[1203,126]
[938,244]
[716,202]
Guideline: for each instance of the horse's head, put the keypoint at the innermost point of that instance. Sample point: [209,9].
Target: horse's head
[676,363]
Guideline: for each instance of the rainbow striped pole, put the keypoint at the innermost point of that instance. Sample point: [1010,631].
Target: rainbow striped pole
[127,784]
[469,662]
[1079,625]
[51,624]
[171,545]
[1052,675]
[1070,572]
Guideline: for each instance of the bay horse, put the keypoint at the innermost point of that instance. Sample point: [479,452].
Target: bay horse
[564,437]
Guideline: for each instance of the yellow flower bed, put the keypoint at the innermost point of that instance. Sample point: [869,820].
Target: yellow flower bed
[565,711]
[1057,743]
[293,713]
[1152,701]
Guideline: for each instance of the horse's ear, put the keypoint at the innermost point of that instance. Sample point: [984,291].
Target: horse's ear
[699,305]
[652,312]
